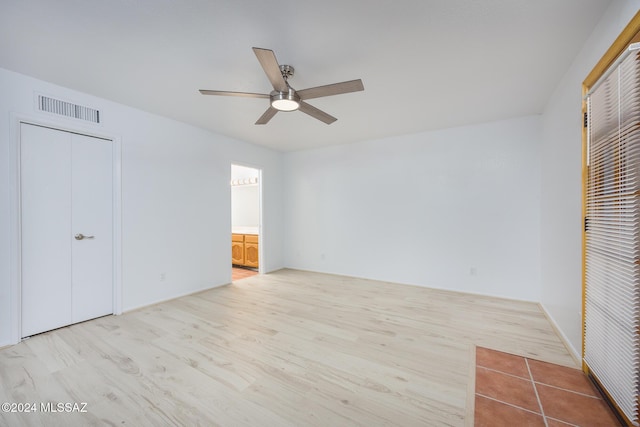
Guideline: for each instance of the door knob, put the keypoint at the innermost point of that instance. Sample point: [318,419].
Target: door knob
[81,236]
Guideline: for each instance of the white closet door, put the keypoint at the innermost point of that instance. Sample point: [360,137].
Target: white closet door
[45,169]
[92,215]
[66,190]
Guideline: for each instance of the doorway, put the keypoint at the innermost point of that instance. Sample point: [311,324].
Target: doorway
[66,228]
[246,221]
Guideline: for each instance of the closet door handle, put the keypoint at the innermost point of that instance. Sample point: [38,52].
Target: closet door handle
[81,236]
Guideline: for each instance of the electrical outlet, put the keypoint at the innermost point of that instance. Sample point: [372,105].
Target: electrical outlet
[163,276]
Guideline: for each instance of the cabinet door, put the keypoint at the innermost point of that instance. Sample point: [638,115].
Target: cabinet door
[237,253]
[251,254]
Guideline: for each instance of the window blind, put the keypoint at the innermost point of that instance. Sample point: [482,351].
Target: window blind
[612,237]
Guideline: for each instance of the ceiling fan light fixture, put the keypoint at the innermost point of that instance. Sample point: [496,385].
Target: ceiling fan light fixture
[283,97]
[285,101]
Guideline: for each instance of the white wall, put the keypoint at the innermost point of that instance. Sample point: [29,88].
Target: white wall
[466,209]
[245,205]
[245,199]
[561,206]
[455,209]
[242,172]
[176,212]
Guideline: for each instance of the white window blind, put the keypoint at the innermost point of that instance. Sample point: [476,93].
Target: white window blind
[612,285]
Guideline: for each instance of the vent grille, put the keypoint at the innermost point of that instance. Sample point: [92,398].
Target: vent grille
[68,109]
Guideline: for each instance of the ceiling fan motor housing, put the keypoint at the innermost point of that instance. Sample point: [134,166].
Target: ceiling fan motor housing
[285,101]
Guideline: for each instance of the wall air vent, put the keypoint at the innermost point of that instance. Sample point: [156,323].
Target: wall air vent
[63,108]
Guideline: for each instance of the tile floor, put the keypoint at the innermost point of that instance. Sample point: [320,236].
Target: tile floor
[517,391]
[241,273]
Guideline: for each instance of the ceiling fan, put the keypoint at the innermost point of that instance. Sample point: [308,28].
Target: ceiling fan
[284,97]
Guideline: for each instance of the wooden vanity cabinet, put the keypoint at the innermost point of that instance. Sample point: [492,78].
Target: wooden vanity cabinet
[251,250]
[244,250]
[237,249]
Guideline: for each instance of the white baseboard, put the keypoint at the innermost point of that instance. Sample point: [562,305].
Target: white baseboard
[572,351]
[161,300]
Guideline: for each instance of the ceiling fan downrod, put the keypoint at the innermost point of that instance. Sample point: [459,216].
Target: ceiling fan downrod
[287,71]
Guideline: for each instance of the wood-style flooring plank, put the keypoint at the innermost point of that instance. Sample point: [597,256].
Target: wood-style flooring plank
[289,348]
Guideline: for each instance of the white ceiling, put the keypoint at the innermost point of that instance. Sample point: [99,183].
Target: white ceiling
[425,64]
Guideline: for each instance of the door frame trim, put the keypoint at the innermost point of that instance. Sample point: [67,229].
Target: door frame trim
[261,246]
[15,240]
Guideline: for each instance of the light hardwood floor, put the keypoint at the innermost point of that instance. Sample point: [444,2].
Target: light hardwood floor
[289,348]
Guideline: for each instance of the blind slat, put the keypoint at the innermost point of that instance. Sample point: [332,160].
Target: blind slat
[612,276]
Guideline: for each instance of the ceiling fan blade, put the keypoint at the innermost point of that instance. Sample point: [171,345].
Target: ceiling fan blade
[315,113]
[270,66]
[226,93]
[266,116]
[333,89]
